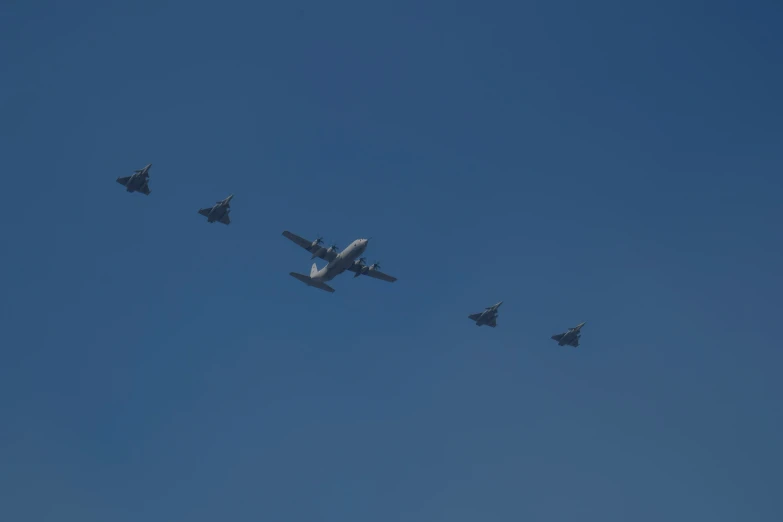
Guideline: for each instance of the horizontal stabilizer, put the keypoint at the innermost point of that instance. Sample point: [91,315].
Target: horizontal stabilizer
[312,282]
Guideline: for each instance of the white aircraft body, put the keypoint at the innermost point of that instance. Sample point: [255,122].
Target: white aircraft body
[349,259]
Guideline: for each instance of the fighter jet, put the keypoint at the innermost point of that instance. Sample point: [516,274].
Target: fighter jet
[570,337]
[219,212]
[138,182]
[488,317]
[338,262]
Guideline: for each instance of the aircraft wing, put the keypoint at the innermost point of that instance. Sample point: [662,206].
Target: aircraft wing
[145,189]
[225,219]
[205,211]
[377,274]
[323,253]
[123,181]
[493,323]
[474,317]
[575,342]
[557,337]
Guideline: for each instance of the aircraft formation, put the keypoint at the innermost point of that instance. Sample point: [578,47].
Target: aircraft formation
[349,259]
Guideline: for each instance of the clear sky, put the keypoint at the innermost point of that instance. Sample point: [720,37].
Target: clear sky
[581,161]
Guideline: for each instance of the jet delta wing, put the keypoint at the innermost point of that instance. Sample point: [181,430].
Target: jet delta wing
[138,181]
[225,219]
[488,317]
[327,254]
[570,337]
[218,212]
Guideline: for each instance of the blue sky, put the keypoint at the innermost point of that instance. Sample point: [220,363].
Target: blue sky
[607,163]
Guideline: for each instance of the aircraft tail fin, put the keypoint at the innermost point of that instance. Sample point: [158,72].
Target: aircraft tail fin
[312,282]
[313,270]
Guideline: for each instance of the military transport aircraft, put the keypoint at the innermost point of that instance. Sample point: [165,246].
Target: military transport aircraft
[338,262]
[570,337]
[488,317]
[138,182]
[219,212]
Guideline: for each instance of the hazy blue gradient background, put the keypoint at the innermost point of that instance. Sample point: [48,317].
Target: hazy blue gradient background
[582,161]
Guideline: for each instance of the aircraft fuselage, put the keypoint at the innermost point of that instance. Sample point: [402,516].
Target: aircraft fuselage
[342,262]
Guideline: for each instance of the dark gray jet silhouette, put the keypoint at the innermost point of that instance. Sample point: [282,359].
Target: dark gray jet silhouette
[138,182]
[570,337]
[219,212]
[488,317]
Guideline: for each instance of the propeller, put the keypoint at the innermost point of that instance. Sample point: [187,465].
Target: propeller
[375,266]
[360,264]
[314,246]
[333,247]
